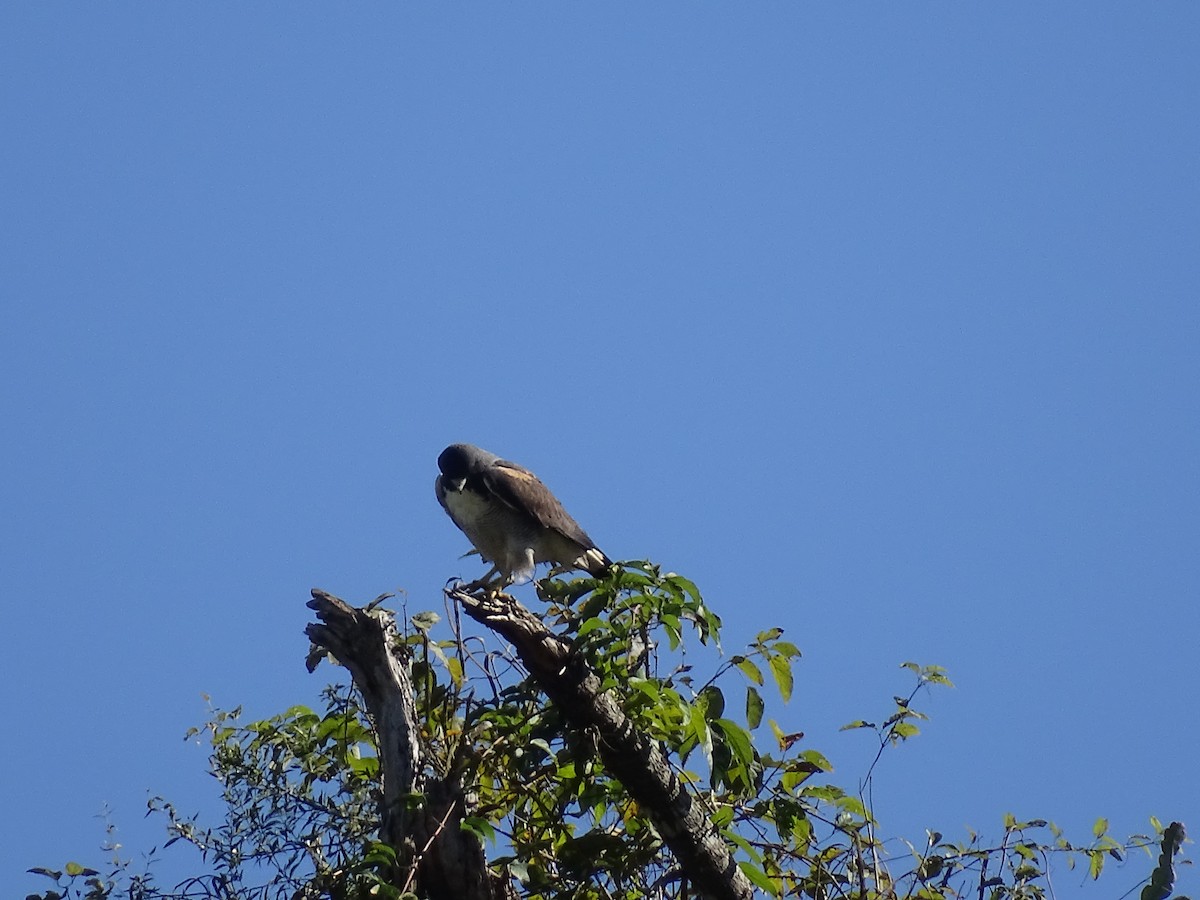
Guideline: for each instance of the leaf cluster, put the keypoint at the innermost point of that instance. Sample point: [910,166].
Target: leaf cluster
[301,788]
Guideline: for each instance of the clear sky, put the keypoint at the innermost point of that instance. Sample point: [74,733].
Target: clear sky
[879,321]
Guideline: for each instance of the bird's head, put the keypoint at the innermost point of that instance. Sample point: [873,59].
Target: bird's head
[459,461]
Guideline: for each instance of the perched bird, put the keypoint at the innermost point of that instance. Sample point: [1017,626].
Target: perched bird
[510,516]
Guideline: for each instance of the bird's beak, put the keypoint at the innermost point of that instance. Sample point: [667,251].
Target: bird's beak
[454,484]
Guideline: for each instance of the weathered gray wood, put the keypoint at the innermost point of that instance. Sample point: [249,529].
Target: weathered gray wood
[633,758]
[449,862]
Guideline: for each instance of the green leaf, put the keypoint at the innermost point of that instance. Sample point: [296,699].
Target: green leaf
[1095,865]
[936,675]
[647,687]
[713,702]
[738,740]
[758,878]
[754,708]
[786,648]
[674,629]
[903,730]
[768,635]
[380,854]
[851,805]
[479,827]
[857,723]
[698,727]
[1100,827]
[749,669]
[74,869]
[591,625]
[781,668]
[744,845]
[815,758]
[793,778]
[455,668]
[712,625]
[423,621]
[930,867]
[801,832]
[778,732]
[687,585]
[829,792]
[367,766]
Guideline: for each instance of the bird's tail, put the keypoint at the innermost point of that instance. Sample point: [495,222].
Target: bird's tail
[594,562]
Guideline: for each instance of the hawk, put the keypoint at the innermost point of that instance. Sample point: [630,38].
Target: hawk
[510,516]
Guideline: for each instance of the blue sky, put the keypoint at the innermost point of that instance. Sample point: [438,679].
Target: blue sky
[879,322]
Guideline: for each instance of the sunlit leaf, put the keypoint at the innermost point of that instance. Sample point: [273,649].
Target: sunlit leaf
[455,668]
[749,669]
[786,648]
[781,668]
[594,624]
[759,878]
[685,584]
[793,778]
[857,723]
[815,758]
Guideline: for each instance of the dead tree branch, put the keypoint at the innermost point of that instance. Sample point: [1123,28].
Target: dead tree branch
[449,863]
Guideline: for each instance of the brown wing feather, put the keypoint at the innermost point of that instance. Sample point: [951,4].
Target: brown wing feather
[523,491]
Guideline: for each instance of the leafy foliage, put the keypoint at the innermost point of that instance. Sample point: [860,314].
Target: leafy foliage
[301,788]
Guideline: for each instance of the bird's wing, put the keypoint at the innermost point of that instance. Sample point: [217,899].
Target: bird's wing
[520,489]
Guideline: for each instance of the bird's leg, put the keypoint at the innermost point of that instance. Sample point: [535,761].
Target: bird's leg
[487,579]
[561,569]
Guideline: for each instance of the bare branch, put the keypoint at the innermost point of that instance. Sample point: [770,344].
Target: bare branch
[449,863]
